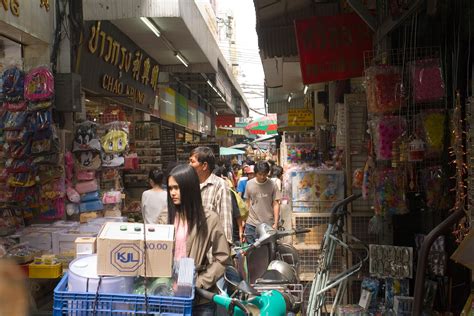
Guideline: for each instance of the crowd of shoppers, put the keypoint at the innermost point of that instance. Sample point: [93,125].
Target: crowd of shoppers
[213,205]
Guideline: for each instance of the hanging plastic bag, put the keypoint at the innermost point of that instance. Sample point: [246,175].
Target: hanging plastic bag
[19,106]
[389,192]
[87,186]
[112,197]
[385,130]
[41,120]
[73,195]
[15,120]
[131,162]
[427,80]
[22,180]
[19,165]
[433,131]
[39,84]
[53,190]
[13,83]
[384,89]
[38,106]
[52,210]
[19,150]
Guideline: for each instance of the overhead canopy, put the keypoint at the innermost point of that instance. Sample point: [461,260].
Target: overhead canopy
[226,151]
[265,138]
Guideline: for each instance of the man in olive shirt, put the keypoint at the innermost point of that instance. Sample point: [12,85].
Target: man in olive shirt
[262,196]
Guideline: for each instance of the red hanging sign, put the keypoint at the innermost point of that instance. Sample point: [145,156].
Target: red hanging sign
[332,47]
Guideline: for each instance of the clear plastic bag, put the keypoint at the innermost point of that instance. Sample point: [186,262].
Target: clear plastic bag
[385,130]
[433,130]
[384,89]
[427,80]
[389,195]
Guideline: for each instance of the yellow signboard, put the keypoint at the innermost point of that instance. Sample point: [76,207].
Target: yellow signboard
[300,117]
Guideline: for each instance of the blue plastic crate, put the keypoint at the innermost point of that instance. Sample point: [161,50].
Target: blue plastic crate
[70,303]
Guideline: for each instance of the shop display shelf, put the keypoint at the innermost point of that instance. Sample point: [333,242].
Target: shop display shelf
[71,303]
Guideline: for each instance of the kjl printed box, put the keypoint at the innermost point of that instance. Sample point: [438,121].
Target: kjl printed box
[121,249]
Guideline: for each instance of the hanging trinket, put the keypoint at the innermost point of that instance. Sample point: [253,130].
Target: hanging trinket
[416,150]
[403,149]
[396,152]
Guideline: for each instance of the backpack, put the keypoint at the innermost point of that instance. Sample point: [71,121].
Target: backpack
[244,212]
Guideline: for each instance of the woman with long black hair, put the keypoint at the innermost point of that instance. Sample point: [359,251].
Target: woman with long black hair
[197,232]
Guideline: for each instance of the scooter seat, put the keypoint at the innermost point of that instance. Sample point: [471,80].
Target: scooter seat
[273,277]
[247,289]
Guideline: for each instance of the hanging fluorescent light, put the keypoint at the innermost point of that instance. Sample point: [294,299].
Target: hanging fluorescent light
[305,89]
[289,97]
[182,59]
[151,26]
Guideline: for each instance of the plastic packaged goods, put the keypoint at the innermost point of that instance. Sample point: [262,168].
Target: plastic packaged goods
[427,80]
[390,261]
[385,130]
[389,194]
[384,89]
[432,129]
[39,84]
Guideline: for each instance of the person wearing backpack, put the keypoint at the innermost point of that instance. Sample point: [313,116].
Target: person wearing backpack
[237,218]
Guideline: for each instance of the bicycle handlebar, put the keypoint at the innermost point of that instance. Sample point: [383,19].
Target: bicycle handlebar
[336,207]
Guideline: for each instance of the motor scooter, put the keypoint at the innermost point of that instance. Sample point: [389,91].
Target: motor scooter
[270,264]
[239,298]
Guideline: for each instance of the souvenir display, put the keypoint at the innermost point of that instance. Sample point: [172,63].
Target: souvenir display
[85,138]
[13,83]
[427,80]
[437,257]
[389,192]
[433,130]
[384,89]
[434,185]
[390,261]
[39,84]
[384,131]
[395,287]
[310,187]
[372,286]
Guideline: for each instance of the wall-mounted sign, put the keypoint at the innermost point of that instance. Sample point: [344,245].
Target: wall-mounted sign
[181,110]
[300,117]
[168,104]
[11,5]
[224,133]
[192,116]
[201,122]
[332,47]
[112,64]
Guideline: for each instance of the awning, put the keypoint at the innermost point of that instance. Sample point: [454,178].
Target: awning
[226,151]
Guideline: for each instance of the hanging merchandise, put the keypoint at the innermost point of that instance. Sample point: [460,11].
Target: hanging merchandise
[85,137]
[389,195]
[371,286]
[38,106]
[113,113]
[15,106]
[416,150]
[87,160]
[433,131]
[437,257]
[115,140]
[15,120]
[384,89]
[52,209]
[427,80]
[395,287]
[433,179]
[390,261]
[367,181]
[39,84]
[13,83]
[45,142]
[112,160]
[384,131]
[40,120]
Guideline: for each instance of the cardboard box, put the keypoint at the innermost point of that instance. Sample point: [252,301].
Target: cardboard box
[63,242]
[85,246]
[121,250]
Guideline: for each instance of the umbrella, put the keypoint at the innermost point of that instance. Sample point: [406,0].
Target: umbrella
[225,151]
[263,125]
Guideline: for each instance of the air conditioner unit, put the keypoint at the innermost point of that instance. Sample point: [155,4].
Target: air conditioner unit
[67,88]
